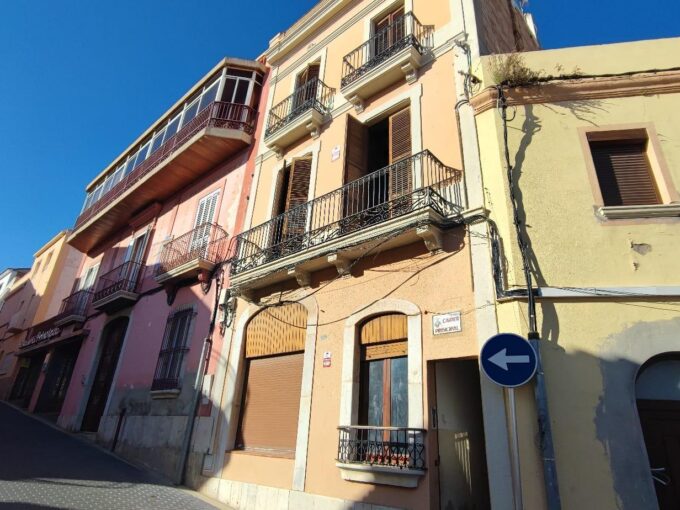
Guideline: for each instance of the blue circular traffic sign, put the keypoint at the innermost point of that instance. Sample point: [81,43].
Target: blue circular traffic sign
[508,360]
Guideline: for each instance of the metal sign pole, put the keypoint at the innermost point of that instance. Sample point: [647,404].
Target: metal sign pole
[514,450]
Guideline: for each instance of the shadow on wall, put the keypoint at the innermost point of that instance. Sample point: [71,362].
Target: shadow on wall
[593,399]
[530,127]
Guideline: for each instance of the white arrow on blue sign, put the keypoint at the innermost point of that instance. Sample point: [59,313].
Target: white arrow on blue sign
[508,360]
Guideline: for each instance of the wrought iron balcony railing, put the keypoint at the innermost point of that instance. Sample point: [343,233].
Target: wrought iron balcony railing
[207,242]
[397,447]
[414,183]
[123,278]
[313,95]
[405,31]
[76,304]
[216,114]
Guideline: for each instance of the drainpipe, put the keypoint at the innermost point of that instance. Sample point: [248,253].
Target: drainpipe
[198,387]
[540,393]
[195,401]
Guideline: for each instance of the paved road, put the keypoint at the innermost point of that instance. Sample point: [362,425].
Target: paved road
[43,468]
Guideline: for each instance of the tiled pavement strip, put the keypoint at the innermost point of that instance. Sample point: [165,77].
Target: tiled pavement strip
[44,468]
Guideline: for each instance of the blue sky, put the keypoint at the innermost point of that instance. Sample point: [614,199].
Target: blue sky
[80,80]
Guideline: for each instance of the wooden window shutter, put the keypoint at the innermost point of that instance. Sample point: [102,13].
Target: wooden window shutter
[356,165]
[401,178]
[400,135]
[298,194]
[271,405]
[624,173]
[385,336]
[206,210]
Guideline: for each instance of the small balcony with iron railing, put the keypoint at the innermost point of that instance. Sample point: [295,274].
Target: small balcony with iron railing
[300,114]
[198,251]
[74,308]
[398,205]
[216,132]
[117,289]
[395,52]
[395,454]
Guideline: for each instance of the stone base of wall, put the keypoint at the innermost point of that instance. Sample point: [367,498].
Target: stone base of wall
[249,496]
[154,442]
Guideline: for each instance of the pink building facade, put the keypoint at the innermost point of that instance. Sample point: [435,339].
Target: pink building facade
[156,231]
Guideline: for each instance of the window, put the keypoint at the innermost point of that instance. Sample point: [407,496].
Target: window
[175,346]
[205,215]
[306,86]
[293,193]
[274,355]
[624,173]
[47,261]
[383,380]
[372,148]
[388,30]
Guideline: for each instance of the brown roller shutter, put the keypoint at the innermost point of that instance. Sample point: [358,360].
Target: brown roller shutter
[400,147]
[271,405]
[298,194]
[624,173]
[277,330]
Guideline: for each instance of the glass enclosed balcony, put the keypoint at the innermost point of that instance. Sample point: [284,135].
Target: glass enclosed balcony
[215,120]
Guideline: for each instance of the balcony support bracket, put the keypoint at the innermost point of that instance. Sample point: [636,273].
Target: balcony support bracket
[357,102]
[278,150]
[314,128]
[410,72]
[304,278]
[432,236]
[245,293]
[342,264]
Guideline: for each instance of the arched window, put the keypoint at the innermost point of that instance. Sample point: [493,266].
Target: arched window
[274,352]
[383,394]
[657,392]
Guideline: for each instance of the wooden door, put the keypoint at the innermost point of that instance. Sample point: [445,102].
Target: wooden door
[108,361]
[660,421]
[57,379]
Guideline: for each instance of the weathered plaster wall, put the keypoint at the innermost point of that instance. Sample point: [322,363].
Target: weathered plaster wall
[592,346]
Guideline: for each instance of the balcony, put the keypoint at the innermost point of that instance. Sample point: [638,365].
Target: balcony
[300,114]
[215,133]
[394,53]
[197,251]
[16,322]
[117,289]
[384,455]
[401,203]
[74,308]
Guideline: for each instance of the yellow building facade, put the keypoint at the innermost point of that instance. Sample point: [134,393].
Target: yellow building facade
[594,145]
[34,298]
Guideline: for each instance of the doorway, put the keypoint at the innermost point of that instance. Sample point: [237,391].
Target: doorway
[57,379]
[657,390]
[112,342]
[26,379]
[463,478]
